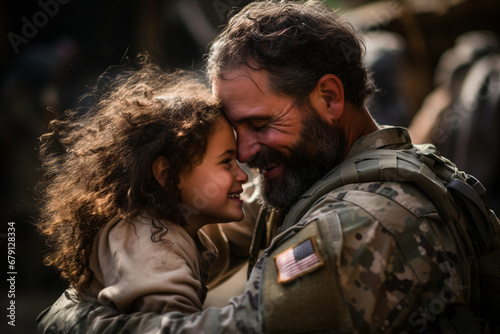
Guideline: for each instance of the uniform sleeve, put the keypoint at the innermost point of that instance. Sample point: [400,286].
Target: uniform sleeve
[142,275]
[397,264]
[71,315]
[240,316]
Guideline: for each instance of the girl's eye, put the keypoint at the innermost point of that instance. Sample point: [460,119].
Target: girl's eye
[227,162]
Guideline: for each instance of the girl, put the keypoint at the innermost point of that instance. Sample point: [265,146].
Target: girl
[130,183]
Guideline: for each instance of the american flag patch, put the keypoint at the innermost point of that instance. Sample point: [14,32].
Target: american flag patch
[298,260]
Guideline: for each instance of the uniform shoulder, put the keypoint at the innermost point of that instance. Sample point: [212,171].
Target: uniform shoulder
[404,194]
[383,201]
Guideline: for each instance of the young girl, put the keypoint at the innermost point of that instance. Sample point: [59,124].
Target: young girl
[130,183]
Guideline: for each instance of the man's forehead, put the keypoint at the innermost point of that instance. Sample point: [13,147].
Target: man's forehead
[239,83]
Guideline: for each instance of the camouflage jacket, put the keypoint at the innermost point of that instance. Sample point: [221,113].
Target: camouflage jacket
[368,257]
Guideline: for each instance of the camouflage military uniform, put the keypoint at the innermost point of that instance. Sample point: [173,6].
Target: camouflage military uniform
[380,261]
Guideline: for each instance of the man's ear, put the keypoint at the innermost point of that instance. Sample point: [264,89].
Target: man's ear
[160,170]
[327,97]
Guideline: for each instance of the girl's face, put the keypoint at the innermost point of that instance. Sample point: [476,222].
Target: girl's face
[211,191]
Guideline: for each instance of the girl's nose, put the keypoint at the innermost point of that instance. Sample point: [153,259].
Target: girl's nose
[241,176]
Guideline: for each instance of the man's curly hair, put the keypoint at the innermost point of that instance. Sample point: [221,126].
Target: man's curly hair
[296,43]
[98,163]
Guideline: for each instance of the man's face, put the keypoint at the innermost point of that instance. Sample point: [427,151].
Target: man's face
[291,147]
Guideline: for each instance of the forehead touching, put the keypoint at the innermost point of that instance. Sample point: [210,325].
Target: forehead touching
[223,135]
[245,94]
[240,84]
[221,143]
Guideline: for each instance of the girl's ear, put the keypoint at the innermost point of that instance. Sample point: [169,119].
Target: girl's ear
[327,97]
[160,170]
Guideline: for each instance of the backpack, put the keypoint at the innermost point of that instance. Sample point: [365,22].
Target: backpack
[458,197]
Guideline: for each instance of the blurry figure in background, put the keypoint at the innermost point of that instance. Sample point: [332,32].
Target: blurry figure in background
[384,56]
[461,116]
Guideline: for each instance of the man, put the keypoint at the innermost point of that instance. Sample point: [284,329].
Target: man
[365,257]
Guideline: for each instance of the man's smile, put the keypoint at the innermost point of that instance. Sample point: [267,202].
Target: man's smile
[272,170]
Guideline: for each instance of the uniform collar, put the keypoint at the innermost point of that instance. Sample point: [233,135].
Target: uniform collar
[394,137]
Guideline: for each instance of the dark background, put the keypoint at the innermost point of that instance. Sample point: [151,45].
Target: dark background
[44,70]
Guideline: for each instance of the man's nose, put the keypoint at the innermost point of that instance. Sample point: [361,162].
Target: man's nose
[248,146]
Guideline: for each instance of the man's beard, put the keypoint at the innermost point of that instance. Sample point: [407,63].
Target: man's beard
[319,149]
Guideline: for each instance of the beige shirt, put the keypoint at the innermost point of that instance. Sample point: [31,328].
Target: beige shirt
[135,273]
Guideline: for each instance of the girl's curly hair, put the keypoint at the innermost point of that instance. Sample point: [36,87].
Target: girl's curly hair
[98,163]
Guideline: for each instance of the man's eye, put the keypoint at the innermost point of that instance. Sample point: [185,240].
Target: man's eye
[260,124]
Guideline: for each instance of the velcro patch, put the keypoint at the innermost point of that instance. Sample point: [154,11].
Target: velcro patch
[298,260]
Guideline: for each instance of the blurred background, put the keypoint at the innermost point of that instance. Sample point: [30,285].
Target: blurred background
[436,63]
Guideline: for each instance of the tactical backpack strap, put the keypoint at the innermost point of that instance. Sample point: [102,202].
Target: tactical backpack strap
[485,232]
[374,166]
[434,175]
[483,235]
[471,189]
